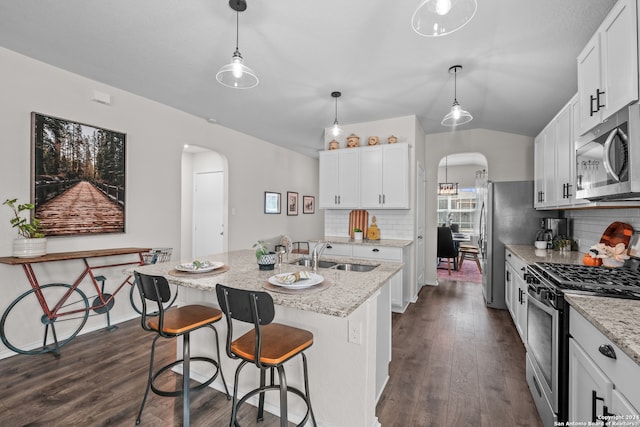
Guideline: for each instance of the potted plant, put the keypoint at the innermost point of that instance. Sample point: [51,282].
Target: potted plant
[266,259]
[357,234]
[30,241]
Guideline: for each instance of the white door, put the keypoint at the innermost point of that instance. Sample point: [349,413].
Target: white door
[420,211]
[208,204]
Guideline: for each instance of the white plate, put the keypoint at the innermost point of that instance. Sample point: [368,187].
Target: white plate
[205,267]
[313,280]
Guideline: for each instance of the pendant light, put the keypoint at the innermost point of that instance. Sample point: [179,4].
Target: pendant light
[447,188]
[457,116]
[336,130]
[236,75]
[434,18]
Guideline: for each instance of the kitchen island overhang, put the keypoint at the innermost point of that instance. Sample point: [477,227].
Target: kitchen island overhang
[350,321]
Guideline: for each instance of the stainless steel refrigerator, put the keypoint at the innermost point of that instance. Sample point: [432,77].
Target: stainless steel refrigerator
[506,216]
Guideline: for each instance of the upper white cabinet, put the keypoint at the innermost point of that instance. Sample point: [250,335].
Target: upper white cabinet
[384,176]
[367,177]
[339,186]
[555,153]
[608,67]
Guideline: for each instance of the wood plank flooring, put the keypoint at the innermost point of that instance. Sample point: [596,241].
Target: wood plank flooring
[455,363]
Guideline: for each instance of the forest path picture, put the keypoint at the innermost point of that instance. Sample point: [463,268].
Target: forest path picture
[80,209]
[78,177]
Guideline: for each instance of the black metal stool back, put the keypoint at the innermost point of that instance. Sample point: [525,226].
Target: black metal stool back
[253,307]
[156,289]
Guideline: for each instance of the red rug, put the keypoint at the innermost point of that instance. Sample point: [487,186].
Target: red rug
[468,273]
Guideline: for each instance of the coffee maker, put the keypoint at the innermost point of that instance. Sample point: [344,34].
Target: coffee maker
[552,229]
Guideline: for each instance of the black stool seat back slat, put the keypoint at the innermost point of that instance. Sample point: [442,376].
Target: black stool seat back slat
[237,304]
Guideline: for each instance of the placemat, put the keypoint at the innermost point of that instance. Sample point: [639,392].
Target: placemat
[305,291]
[215,272]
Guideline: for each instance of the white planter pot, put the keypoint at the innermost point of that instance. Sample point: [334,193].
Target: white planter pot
[29,248]
[357,236]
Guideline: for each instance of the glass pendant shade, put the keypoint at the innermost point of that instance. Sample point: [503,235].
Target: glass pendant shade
[336,130]
[457,116]
[237,75]
[434,18]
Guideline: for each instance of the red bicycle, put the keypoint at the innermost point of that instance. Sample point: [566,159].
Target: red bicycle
[65,307]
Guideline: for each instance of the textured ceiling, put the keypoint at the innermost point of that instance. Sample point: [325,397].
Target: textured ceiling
[518,58]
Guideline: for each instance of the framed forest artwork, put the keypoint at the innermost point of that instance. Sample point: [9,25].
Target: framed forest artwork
[77,177]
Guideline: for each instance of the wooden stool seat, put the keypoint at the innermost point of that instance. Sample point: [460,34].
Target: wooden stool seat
[469,252]
[279,343]
[178,320]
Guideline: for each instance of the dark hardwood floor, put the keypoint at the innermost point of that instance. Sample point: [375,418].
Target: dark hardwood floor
[455,363]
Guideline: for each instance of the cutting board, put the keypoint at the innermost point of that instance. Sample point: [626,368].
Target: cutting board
[360,219]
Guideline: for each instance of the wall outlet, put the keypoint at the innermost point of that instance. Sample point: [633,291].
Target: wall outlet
[354,332]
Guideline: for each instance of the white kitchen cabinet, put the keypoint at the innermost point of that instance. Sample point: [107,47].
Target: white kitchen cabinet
[555,153]
[397,283]
[516,292]
[335,249]
[608,67]
[601,377]
[384,176]
[339,186]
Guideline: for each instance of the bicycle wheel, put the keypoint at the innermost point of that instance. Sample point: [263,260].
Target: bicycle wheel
[134,298]
[24,315]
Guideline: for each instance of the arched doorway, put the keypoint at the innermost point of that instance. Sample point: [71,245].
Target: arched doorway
[459,200]
[203,210]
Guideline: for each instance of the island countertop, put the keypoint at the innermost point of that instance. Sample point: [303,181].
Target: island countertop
[391,243]
[348,290]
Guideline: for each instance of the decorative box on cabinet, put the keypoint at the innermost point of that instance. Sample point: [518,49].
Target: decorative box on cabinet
[384,176]
[339,186]
[603,381]
[608,67]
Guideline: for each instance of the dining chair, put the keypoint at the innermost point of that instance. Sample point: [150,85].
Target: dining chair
[446,248]
[267,345]
[171,323]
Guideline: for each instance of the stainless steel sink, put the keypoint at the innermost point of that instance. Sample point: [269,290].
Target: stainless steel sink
[321,263]
[356,267]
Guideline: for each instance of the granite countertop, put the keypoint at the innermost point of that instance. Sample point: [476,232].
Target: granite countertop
[617,318]
[348,290]
[531,255]
[392,243]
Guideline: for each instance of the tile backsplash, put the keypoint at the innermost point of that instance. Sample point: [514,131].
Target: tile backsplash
[588,225]
[393,224]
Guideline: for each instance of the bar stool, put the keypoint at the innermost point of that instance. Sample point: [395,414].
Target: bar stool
[268,345]
[172,323]
[468,252]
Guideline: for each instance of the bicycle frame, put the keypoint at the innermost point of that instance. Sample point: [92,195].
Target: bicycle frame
[88,270]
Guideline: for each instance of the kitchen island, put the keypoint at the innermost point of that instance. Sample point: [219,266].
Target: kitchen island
[350,321]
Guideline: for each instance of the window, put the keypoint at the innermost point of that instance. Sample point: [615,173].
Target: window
[461,209]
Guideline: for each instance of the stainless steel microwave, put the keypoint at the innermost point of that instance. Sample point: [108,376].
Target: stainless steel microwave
[608,158]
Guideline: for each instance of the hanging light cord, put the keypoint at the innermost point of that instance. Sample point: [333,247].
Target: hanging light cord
[336,119]
[455,85]
[237,28]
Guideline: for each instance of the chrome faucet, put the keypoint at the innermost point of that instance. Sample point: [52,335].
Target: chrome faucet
[315,254]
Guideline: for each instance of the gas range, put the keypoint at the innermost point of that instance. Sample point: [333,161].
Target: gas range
[623,282]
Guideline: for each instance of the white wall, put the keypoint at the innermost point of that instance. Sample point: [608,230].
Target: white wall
[155,138]
[509,158]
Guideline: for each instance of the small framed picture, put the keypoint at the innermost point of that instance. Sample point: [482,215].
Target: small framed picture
[271,202]
[308,204]
[292,203]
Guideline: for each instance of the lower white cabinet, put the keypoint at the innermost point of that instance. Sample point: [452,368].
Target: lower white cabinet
[335,249]
[385,253]
[515,288]
[603,381]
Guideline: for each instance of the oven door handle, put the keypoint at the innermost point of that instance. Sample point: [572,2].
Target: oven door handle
[535,300]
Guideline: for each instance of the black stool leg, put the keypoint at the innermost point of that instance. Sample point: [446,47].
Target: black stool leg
[284,412]
[263,373]
[306,388]
[146,392]
[224,382]
[185,380]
